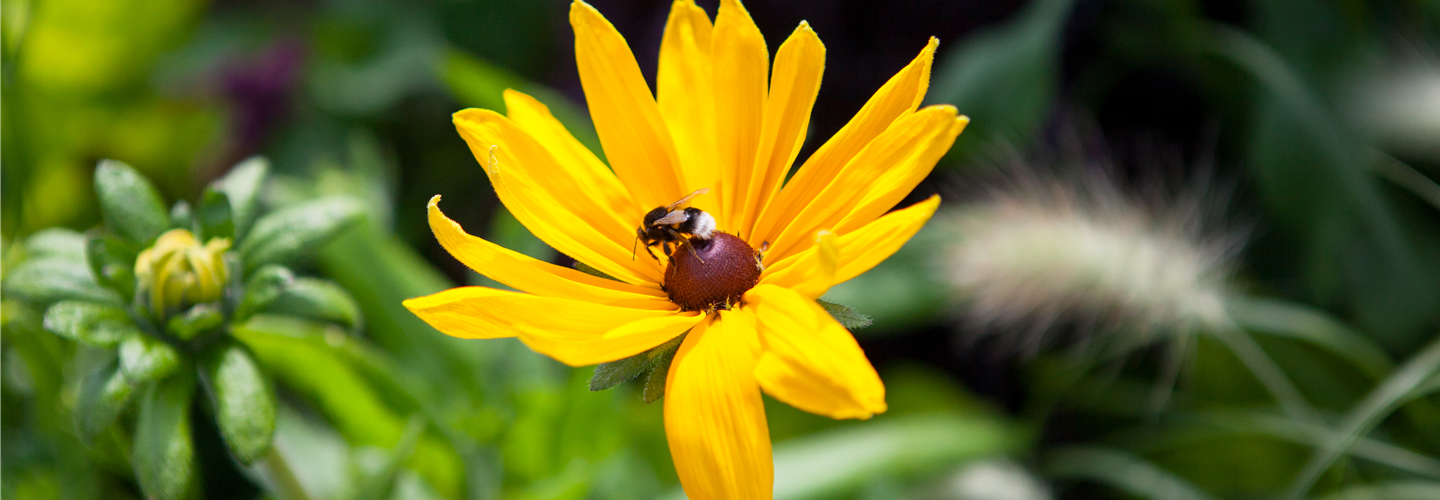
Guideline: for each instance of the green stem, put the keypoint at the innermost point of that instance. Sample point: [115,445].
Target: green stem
[284,478]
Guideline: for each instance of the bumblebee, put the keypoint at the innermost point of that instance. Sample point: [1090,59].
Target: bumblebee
[669,225]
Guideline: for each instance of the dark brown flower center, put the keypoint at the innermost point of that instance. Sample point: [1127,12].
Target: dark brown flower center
[705,275]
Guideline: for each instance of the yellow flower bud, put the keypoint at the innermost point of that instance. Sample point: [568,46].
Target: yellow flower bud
[178,271]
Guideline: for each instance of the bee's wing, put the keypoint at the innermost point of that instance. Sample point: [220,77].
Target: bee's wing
[687,197]
[674,217]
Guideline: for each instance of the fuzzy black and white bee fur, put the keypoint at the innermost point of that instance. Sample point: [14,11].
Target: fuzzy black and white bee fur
[668,226]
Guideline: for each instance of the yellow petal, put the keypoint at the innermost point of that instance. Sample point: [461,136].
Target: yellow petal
[619,343]
[686,96]
[587,172]
[526,274]
[714,417]
[475,312]
[895,184]
[914,142]
[741,65]
[543,195]
[901,95]
[862,249]
[631,130]
[810,361]
[793,87]
[810,273]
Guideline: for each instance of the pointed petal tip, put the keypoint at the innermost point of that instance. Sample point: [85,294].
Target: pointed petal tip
[434,202]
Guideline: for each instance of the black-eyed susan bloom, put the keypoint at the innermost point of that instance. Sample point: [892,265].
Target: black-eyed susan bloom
[745,297]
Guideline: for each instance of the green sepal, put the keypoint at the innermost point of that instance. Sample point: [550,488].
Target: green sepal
[285,236]
[848,318]
[103,395]
[648,363]
[91,323]
[214,216]
[262,289]
[50,280]
[144,358]
[164,454]
[316,299]
[112,263]
[196,320]
[130,205]
[182,216]
[242,189]
[243,400]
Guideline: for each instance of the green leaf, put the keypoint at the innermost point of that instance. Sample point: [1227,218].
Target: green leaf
[144,358]
[262,289]
[164,455]
[614,373]
[317,299]
[287,235]
[112,263]
[847,317]
[655,380]
[130,204]
[92,323]
[214,216]
[181,216]
[243,399]
[1122,471]
[55,242]
[103,395]
[50,280]
[197,320]
[242,188]
[378,484]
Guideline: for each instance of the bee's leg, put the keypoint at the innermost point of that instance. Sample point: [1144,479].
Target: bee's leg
[697,255]
[651,252]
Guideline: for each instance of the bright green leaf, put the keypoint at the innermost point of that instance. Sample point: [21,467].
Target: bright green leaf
[287,235]
[243,399]
[847,317]
[182,216]
[49,280]
[103,395]
[214,216]
[262,289]
[55,242]
[144,358]
[130,204]
[93,323]
[164,455]
[242,188]
[316,299]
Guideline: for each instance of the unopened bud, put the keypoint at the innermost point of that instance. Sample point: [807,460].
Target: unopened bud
[178,271]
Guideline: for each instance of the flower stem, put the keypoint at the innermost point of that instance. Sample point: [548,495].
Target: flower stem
[283,477]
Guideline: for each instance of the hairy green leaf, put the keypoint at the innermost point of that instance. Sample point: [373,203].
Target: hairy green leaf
[92,323]
[243,399]
[103,395]
[242,189]
[317,299]
[49,280]
[130,204]
[182,216]
[287,235]
[262,289]
[144,358]
[614,373]
[164,455]
[847,317]
[55,242]
[214,216]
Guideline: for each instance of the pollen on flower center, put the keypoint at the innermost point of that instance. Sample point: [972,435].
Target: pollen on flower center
[705,275]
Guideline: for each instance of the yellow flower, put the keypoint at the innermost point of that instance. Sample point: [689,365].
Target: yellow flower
[721,119]
[178,271]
